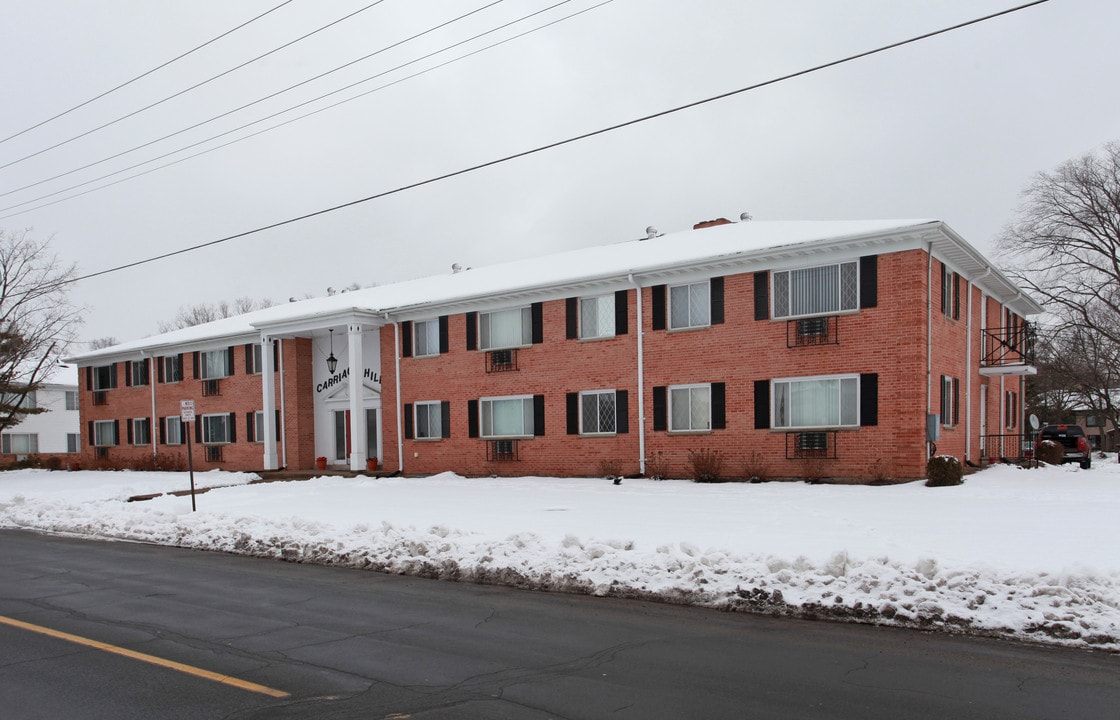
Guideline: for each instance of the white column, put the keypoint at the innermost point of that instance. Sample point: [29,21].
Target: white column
[267,434]
[357,413]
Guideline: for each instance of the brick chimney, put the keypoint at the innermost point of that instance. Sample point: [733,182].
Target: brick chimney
[711,223]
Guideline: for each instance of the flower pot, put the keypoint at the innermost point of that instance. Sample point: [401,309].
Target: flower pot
[371,464]
[321,463]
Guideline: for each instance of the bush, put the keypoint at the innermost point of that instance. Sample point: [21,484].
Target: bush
[1051,452]
[814,470]
[706,465]
[756,469]
[162,462]
[657,467]
[944,471]
[610,469]
[880,472]
[53,462]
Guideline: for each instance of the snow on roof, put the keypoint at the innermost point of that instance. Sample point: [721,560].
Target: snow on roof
[662,253]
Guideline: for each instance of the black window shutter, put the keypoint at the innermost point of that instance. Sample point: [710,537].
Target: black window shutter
[162,431]
[621,312]
[621,412]
[92,441]
[536,311]
[198,430]
[944,295]
[719,406]
[472,418]
[956,401]
[571,318]
[762,295]
[660,407]
[869,399]
[761,404]
[406,338]
[250,430]
[715,285]
[116,432]
[472,334]
[538,415]
[658,292]
[869,281]
[249,358]
[276,425]
[179,362]
[196,360]
[408,433]
[445,419]
[229,359]
[113,375]
[572,403]
[275,356]
[128,374]
[128,431]
[233,427]
[159,369]
[89,378]
[444,335]
[956,296]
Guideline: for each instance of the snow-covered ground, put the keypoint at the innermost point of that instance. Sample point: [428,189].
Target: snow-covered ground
[1033,554]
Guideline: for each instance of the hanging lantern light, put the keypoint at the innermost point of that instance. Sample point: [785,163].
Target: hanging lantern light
[332,361]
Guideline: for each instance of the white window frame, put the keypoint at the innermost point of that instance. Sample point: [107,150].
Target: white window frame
[596,397]
[204,363]
[432,411]
[425,338]
[172,368]
[486,417]
[71,399]
[695,424]
[208,430]
[783,283]
[845,416]
[26,401]
[101,428]
[605,317]
[485,322]
[139,424]
[29,443]
[139,368]
[692,300]
[107,383]
[947,397]
[73,442]
[258,359]
[175,421]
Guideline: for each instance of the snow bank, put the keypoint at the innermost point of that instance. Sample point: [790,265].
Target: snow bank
[1021,553]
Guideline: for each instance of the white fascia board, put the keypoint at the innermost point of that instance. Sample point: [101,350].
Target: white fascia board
[139,351]
[301,326]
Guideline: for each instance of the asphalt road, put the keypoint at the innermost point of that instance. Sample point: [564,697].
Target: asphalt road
[341,643]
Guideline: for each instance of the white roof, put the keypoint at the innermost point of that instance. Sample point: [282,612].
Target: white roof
[739,246]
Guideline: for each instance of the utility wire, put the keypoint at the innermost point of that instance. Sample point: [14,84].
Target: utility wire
[267,97]
[560,143]
[289,109]
[290,120]
[144,74]
[187,90]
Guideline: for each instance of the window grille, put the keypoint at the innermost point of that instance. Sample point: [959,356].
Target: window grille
[101,453]
[501,361]
[100,397]
[501,450]
[812,331]
[213,453]
[211,388]
[813,444]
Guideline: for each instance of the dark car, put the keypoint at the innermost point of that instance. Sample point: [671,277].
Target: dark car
[1070,437]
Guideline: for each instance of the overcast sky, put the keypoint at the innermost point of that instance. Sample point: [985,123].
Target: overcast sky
[951,128]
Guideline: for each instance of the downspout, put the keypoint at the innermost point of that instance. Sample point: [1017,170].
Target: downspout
[968,380]
[283,413]
[929,343]
[152,383]
[397,379]
[641,382]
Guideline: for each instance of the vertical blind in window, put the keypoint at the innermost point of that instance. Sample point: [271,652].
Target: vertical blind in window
[506,328]
[823,402]
[816,290]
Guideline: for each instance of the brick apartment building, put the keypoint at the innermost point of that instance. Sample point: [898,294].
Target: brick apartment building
[834,343]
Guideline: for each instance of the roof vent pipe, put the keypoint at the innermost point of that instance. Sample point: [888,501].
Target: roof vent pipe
[745,217]
[456,268]
[651,233]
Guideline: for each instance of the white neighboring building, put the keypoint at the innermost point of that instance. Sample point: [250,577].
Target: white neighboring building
[54,432]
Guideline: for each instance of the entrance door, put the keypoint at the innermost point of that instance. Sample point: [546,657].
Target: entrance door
[983,419]
[342,434]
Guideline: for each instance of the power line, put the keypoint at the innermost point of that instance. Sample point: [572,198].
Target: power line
[266,97]
[295,119]
[560,143]
[144,74]
[181,92]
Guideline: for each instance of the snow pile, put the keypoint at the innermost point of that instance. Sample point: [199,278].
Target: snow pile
[1021,553]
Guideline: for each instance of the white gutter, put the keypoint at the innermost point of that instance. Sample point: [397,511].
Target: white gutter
[153,428]
[397,372]
[641,383]
[283,414]
[929,340]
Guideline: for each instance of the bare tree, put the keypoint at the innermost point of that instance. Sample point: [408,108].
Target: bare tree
[191,315]
[37,320]
[103,342]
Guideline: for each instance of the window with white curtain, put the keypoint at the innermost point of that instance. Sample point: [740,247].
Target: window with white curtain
[506,417]
[429,420]
[816,402]
[690,408]
[20,443]
[425,338]
[215,364]
[505,328]
[816,290]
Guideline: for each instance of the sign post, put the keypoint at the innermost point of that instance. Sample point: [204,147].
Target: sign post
[186,415]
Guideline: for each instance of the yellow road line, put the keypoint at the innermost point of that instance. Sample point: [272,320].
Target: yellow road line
[188,669]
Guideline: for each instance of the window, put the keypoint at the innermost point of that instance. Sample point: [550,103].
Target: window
[20,443]
[104,377]
[17,400]
[71,399]
[690,408]
[214,364]
[173,430]
[73,443]
[173,368]
[689,305]
[506,328]
[255,358]
[506,417]
[596,317]
[425,338]
[598,412]
[816,290]
[1011,409]
[950,293]
[950,398]
[138,372]
[104,433]
[141,431]
[816,402]
[216,429]
[429,420]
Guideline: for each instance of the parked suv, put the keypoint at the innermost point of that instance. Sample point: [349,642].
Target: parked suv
[1072,438]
